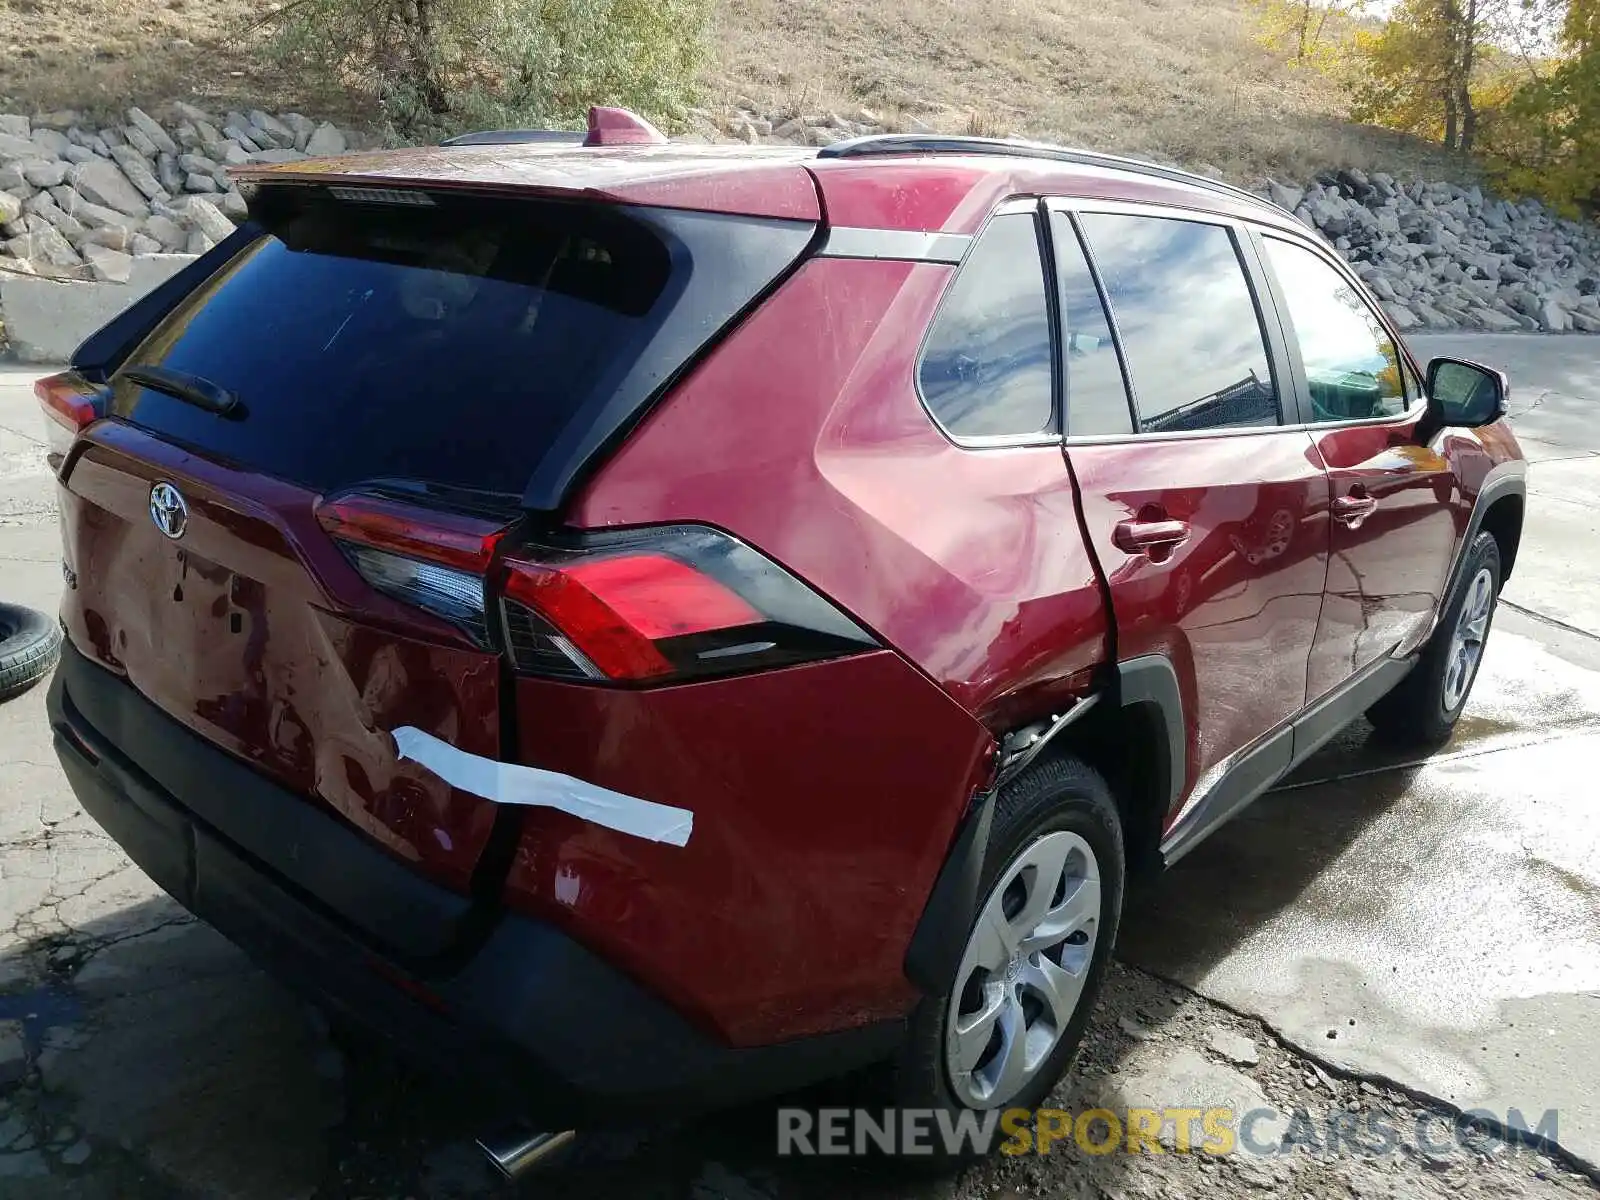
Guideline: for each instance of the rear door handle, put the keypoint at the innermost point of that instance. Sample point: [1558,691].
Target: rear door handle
[1352,510]
[1149,537]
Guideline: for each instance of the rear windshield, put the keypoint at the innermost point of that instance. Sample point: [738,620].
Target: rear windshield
[445,341]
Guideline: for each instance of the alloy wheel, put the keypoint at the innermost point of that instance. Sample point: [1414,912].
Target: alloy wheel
[1466,643]
[1024,970]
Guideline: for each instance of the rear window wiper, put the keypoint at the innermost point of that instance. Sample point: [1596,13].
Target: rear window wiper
[191,389]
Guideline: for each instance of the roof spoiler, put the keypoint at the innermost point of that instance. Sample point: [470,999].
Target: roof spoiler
[607,127]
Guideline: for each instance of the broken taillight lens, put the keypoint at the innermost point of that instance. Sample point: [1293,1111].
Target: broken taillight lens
[71,404]
[659,604]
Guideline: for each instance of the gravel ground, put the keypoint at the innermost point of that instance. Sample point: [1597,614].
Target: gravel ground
[1150,1043]
[401,1135]
[393,1134]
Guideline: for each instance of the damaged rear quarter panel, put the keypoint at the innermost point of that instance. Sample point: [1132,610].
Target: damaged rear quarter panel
[804,435]
[824,799]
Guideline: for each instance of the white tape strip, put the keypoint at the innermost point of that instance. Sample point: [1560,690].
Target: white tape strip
[507,783]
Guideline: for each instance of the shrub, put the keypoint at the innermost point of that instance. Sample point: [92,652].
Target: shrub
[438,66]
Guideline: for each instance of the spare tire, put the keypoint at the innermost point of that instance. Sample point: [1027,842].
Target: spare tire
[30,643]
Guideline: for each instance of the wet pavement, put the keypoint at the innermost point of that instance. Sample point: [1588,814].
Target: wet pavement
[1555,385]
[1436,922]
[1437,917]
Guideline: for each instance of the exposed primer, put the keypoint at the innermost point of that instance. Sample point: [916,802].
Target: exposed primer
[508,783]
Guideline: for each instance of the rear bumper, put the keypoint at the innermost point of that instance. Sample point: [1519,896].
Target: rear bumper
[550,1030]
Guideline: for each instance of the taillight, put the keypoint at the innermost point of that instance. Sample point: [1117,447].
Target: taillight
[71,404]
[651,605]
[433,560]
[637,606]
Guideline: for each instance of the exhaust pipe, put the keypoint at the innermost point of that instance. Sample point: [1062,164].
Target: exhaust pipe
[516,1151]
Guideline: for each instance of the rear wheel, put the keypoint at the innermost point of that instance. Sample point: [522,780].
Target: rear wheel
[1006,1027]
[1424,708]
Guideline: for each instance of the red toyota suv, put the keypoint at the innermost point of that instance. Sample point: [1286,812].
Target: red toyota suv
[649,624]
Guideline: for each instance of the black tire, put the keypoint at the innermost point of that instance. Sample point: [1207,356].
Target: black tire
[1059,794]
[1417,711]
[30,643]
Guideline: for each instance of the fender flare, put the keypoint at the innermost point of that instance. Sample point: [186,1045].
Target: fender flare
[934,951]
[1151,679]
[1507,479]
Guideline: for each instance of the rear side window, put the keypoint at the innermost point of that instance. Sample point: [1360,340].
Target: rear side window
[1096,397]
[1196,353]
[987,367]
[450,342]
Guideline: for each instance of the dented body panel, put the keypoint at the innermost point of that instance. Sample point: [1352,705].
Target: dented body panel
[972,565]
[254,631]
[809,811]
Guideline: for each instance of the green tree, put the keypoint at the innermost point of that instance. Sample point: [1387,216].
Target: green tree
[1548,138]
[1418,70]
[439,65]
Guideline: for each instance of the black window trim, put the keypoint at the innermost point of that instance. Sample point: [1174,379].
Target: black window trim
[1417,404]
[1256,280]
[1128,392]
[1050,436]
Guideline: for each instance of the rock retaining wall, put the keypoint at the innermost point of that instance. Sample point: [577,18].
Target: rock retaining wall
[86,202]
[83,201]
[1446,257]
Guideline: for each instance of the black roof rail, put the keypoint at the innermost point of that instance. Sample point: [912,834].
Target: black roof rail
[517,137]
[938,143]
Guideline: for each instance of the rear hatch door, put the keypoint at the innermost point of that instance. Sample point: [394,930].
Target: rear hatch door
[302,574]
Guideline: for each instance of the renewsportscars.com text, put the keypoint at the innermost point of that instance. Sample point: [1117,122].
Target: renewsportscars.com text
[1177,1129]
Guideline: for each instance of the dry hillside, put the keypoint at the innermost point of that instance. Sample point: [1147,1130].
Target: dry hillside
[1181,79]
[100,56]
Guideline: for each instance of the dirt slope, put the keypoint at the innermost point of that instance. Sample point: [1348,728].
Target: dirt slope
[1182,79]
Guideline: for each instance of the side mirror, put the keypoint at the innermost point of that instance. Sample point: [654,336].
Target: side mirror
[1466,394]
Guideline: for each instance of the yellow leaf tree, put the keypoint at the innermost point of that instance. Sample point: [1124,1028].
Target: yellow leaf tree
[1309,31]
[1419,67]
[1549,138]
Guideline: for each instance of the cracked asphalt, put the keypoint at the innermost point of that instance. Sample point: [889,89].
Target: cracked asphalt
[1379,939]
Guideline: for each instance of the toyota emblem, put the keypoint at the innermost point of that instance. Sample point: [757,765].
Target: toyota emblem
[169,510]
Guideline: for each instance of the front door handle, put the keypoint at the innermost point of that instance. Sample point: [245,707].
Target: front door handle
[1352,510]
[1153,538]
